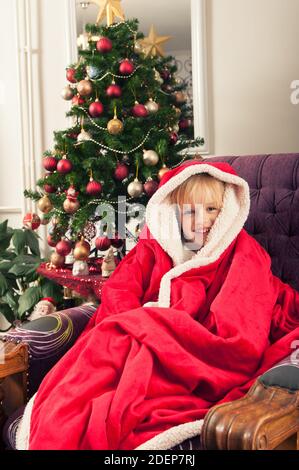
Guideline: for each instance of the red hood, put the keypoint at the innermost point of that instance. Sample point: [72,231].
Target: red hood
[161,220]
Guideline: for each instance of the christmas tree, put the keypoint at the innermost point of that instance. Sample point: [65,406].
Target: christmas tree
[130,125]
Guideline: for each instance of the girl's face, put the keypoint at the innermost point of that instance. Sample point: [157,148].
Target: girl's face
[197,221]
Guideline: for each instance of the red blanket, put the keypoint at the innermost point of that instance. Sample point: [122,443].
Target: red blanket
[137,371]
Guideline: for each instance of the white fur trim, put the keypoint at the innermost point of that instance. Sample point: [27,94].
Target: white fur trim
[23,431]
[163,225]
[173,436]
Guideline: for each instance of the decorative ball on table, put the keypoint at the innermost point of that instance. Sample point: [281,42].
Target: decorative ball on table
[45,306]
[45,205]
[103,243]
[82,250]
[135,188]
[104,45]
[31,221]
[150,157]
[117,242]
[64,247]
[139,110]
[96,109]
[50,163]
[85,87]
[151,106]
[121,172]
[126,67]
[57,260]
[150,187]
[64,166]
[67,93]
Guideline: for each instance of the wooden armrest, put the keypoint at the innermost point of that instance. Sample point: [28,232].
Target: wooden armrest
[261,420]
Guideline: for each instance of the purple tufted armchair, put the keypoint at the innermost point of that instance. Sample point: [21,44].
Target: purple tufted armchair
[269,414]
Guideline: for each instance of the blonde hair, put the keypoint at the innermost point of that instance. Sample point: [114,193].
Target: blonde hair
[201,185]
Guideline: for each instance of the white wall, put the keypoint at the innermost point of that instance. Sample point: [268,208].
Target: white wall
[253,54]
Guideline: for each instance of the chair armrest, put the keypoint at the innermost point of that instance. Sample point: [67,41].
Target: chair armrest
[48,339]
[264,418]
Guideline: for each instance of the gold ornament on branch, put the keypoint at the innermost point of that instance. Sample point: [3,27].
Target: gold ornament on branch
[135,188]
[85,88]
[45,205]
[109,9]
[152,44]
[162,171]
[150,157]
[115,126]
[71,207]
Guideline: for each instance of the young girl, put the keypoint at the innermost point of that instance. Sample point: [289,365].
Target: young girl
[178,329]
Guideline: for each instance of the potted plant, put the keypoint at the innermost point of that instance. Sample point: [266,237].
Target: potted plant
[21,287]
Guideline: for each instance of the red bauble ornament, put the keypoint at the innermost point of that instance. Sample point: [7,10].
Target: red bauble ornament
[121,172]
[102,243]
[49,188]
[63,247]
[184,124]
[104,45]
[174,137]
[150,187]
[77,100]
[126,67]
[51,241]
[70,75]
[64,166]
[31,221]
[114,91]
[93,188]
[96,109]
[50,163]
[117,242]
[139,110]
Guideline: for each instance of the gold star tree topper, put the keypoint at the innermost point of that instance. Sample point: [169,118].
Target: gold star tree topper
[110,9]
[152,45]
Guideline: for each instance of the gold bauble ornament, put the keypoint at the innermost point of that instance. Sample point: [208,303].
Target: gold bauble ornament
[151,106]
[71,207]
[67,93]
[85,88]
[180,97]
[150,157]
[45,205]
[57,260]
[162,171]
[138,48]
[81,251]
[115,126]
[135,189]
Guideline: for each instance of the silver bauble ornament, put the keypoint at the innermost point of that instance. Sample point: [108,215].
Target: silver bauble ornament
[83,136]
[150,157]
[135,189]
[151,106]
[67,93]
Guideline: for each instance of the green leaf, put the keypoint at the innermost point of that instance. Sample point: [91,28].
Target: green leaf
[50,289]
[11,300]
[7,312]
[32,242]
[27,259]
[5,266]
[5,241]
[28,300]
[20,269]
[19,240]
[3,285]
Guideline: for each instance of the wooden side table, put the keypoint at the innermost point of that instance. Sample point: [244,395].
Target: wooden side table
[13,360]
